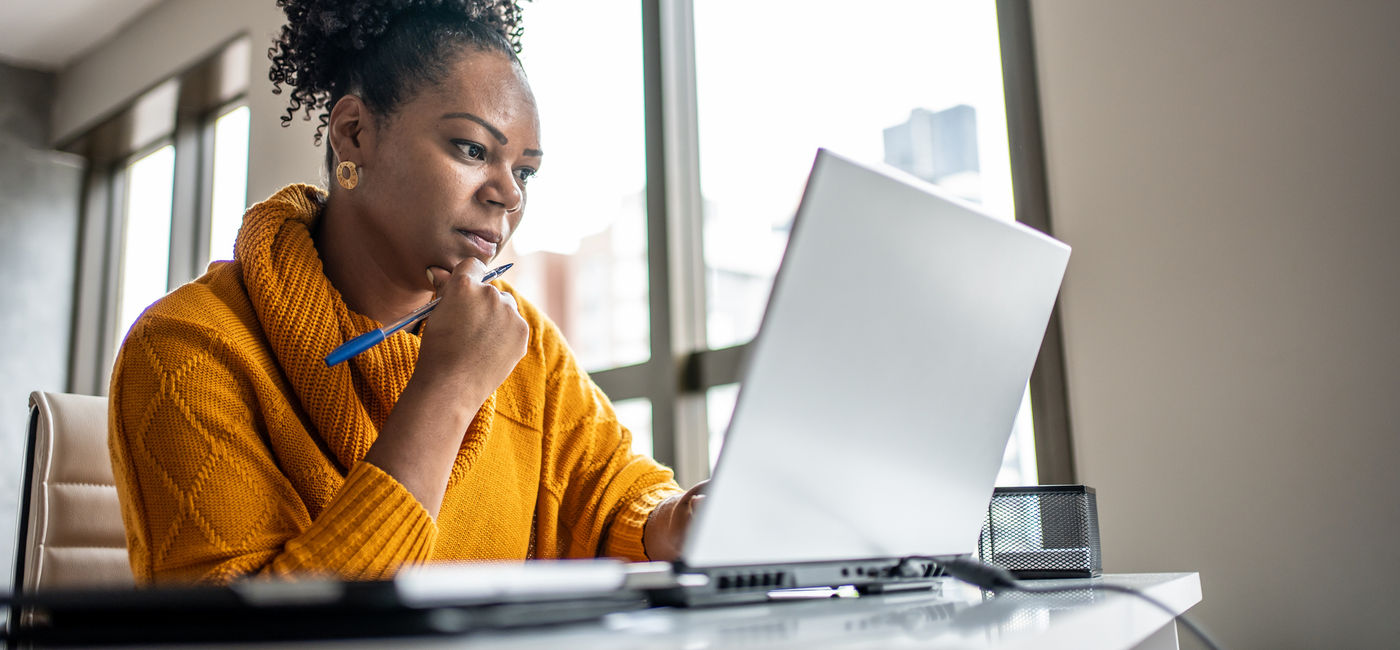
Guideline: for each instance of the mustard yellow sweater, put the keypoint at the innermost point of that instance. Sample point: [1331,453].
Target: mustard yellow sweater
[237,451]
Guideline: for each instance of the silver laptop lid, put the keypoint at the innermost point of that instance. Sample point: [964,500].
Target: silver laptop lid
[885,379]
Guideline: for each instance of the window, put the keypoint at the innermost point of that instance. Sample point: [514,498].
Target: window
[719,407]
[581,250]
[147,215]
[229,197]
[916,85]
[635,414]
[165,192]
[733,116]
[145,235]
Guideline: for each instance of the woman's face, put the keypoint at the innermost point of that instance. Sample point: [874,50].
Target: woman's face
[445,178]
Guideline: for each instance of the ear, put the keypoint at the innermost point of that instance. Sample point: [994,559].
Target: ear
[351,130]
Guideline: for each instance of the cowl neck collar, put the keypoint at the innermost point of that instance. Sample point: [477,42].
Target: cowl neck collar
[305,317]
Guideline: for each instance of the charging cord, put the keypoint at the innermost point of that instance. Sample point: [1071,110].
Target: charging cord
[995,578]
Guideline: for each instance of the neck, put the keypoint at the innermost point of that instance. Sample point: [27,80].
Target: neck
[355,267]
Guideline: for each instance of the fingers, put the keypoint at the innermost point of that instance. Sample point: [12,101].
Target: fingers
[472,267]
[666,527]
[465,273]
[695,491]
[510,300]
[692,498]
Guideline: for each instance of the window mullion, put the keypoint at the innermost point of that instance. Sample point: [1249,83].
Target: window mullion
[203,215]
[190,178]
[90,320]
[662,389]
[626,382]
[111,282]
[682,157]
[684,212]
[675,265]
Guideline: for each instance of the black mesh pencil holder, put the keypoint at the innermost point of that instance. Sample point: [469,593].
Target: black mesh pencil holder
[1043,531]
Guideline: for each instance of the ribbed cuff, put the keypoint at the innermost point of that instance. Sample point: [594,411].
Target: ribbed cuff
[625,534]
[372,527]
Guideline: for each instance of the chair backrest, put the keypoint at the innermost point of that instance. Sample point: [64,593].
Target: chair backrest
[70,527]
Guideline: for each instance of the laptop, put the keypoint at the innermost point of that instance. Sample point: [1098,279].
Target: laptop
[879,394]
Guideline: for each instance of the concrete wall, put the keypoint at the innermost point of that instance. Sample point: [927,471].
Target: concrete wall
[38,244]
[171,37]
[1226,172]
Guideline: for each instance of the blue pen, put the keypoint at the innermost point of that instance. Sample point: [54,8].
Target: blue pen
[369,339]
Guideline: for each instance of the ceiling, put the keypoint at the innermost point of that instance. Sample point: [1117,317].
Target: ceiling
[50,34]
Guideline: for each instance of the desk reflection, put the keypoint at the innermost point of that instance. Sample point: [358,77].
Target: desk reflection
[950,615]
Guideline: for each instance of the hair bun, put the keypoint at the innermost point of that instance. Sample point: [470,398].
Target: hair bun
[322,39]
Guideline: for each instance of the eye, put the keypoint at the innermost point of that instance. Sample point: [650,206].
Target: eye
[471,149]
[525,174]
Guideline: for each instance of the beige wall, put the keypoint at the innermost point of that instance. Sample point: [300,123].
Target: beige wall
[171,37]
[1226,173]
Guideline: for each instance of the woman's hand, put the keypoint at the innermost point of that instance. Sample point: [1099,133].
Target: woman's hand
[475,336]
[665,528]
[471,343]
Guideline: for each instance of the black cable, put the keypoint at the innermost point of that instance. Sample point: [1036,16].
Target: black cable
[995,578]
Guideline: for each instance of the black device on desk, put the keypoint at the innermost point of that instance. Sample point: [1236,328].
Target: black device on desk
[435,599]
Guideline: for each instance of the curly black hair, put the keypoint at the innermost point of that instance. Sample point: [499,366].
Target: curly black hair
[381,50]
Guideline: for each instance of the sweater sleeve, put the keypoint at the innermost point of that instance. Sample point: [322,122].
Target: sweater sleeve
[605,491]
[202,494]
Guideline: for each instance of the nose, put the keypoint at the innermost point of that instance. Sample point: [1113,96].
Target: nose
[500,189]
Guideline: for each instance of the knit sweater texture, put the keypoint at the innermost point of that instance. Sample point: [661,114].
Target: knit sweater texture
[237,451]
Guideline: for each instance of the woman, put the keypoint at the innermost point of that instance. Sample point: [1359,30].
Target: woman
[238,451]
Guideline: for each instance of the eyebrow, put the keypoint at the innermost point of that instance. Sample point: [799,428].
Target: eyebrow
[489,127]
[536,153]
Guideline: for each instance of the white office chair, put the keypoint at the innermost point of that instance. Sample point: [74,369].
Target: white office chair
[70,526]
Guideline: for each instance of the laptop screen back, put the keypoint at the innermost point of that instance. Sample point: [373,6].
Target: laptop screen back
[884,382]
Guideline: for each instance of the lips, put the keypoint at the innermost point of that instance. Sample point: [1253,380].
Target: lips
[483,242]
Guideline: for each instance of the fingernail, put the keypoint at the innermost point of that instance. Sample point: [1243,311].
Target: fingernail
[431,280]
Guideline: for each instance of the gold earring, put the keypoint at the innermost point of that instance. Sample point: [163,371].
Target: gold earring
[347,174]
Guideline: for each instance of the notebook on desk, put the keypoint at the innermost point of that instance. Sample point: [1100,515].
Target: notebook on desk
[879,393]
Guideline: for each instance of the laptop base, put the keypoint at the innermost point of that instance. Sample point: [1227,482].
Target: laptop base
[732,585]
